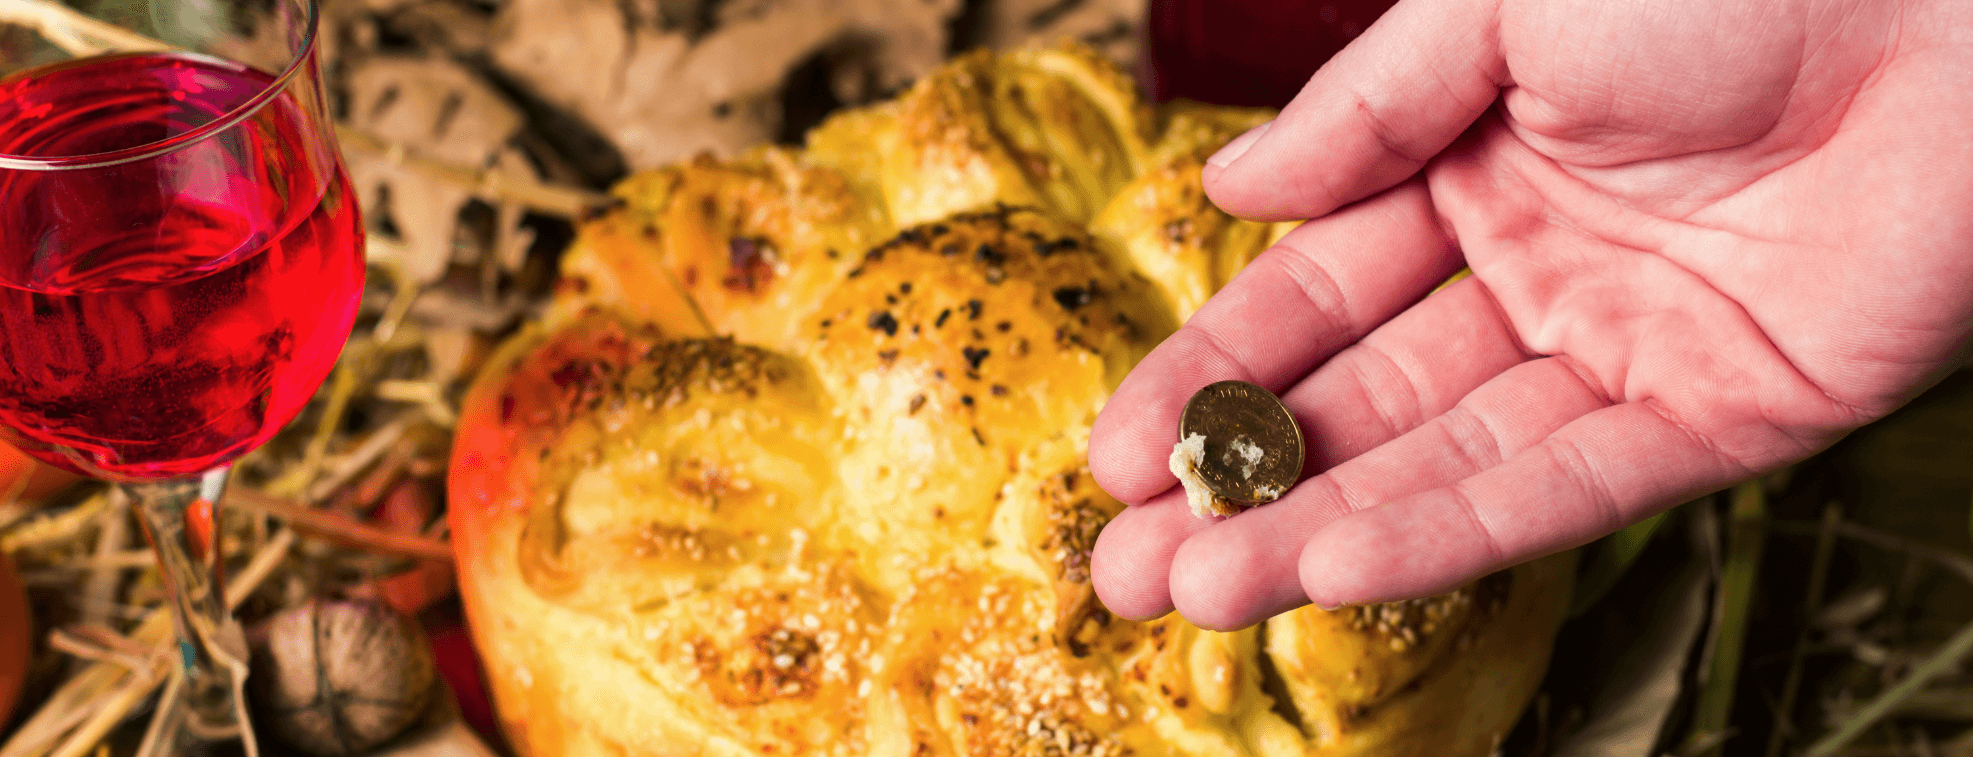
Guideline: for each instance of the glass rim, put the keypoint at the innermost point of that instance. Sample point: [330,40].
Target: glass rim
[177,142]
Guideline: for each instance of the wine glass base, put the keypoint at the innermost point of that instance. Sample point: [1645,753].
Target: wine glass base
[206,699]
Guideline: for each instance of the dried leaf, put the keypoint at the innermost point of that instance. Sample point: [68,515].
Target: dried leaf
[453,351]
[449,25]
[1650,640]
[440,110]
[1111,26]
[663,85]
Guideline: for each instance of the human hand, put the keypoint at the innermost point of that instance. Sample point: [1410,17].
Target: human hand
[1708,238]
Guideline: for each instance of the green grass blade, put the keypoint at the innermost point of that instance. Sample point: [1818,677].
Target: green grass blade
[1746,538]
[1825,548]
[1941,662]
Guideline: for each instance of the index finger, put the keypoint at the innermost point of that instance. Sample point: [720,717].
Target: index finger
[1369,117]
[1321,288]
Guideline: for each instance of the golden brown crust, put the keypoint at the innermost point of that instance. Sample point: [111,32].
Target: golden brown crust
[1432,676]
[663,532]
[1163,221]
[1058,129]
[748,245]
[1196,130]
[1169,229]
[956,346]
[652,523]
[782,478]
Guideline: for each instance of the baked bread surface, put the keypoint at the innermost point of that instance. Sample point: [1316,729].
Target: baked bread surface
[796,463]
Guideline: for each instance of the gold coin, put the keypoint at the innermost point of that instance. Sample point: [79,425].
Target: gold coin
[1253,450]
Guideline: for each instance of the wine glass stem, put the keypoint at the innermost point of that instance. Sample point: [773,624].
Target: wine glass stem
[181,520]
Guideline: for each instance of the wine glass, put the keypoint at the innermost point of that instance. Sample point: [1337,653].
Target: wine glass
[180,265]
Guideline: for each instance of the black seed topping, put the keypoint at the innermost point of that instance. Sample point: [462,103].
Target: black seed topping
[940,321]
[888,356]
[917,401]
[743,251]
[966,399]
[977,437]
[1045,248]
[999,391]
[988,255]
[1004,326]
[1071,298]
[904,288]
[882,321]
[826,322]
[974,355]
[938,373]
[750,264]
[973,309]
[890,299]
[939,228]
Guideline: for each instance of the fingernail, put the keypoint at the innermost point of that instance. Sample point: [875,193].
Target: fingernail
[1238,147]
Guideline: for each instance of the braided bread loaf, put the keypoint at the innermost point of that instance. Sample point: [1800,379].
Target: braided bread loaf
[796,463]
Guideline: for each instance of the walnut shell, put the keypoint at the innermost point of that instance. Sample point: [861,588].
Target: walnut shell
[334,679]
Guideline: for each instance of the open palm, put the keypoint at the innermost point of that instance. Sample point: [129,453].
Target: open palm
[1708,238]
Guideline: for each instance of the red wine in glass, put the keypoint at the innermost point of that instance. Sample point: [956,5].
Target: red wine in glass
[160,326]
[180,263]
[1248,52]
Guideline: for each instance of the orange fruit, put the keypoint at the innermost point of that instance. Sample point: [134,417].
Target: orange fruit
[27,479]
[15,628]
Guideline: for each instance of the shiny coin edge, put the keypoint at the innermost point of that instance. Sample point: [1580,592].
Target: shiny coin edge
[1269,415]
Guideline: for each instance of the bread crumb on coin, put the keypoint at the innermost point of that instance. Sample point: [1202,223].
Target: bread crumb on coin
[1189,453]
[1248,453]
[1185,459]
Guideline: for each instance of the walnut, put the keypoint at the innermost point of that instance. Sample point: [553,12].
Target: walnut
[339,678]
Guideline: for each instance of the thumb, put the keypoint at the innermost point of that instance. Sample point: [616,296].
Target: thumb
[1370,117]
